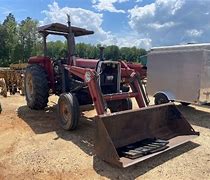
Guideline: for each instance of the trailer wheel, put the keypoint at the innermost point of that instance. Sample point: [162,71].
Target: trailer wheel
[68,111]
[120,105]
[161,98]
[36,87]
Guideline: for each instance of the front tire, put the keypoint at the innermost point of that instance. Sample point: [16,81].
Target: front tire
[36,87]
[68,111]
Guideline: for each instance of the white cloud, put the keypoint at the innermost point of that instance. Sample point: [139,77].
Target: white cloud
[92,21]
[139,1]
[172,22]
[5,11]
[194,32]
[158,26]
[79,17]
[128,40]
[138,13]
[108,5]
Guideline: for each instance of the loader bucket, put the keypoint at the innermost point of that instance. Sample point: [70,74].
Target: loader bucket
[128,137]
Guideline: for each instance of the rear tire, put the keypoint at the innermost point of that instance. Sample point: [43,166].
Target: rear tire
[161,99]
[120,105]
[68,111]
[36,87]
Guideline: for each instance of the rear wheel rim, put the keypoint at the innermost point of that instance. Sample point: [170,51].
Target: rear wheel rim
[29,86]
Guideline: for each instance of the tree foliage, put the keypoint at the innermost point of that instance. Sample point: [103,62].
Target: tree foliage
[3,46]
[28,38]
[10,39]
[110,53]
[19,41]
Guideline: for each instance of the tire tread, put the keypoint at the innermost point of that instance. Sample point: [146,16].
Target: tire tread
[41,87]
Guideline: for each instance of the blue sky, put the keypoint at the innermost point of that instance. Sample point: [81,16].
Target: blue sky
[141,23]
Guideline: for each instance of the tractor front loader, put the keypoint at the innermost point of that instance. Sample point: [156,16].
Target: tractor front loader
[123,136]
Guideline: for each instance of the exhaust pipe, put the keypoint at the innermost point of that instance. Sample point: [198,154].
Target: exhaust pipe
[101,53]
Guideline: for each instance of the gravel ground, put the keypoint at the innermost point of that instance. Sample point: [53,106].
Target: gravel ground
[33,146]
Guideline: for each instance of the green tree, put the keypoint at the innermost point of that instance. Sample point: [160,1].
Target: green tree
[28,38]
[131,54]
[124,53]
[4,51]
[11,40]
[91,51]
[81,50]
[57,49]
[87,51]
[112,53]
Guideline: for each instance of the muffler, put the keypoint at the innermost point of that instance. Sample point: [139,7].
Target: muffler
[128,137]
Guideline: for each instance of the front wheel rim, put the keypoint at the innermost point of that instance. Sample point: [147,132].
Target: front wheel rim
[65,112]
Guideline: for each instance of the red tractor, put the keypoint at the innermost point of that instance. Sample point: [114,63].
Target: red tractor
[123,136]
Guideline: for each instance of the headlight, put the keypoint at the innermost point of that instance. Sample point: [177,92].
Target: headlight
[87,76]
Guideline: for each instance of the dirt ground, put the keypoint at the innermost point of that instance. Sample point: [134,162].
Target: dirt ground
[33,146]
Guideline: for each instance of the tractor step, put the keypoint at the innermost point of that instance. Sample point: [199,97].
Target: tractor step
[142,148]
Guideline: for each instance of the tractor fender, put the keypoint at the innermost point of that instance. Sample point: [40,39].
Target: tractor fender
[168,94]
[46,63]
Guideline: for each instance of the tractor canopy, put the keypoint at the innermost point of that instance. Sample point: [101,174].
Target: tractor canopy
[61,29]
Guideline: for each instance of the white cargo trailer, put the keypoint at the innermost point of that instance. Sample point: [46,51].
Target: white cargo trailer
[179,73]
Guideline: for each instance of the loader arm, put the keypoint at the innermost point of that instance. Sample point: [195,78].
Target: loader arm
[90,77]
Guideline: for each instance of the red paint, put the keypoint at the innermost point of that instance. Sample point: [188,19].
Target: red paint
[46,63]
[87,63]
[92,63]
[94,89]
[119,96]
[129,73]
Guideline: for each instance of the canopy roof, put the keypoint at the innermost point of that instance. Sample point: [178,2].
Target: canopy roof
[61,29]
